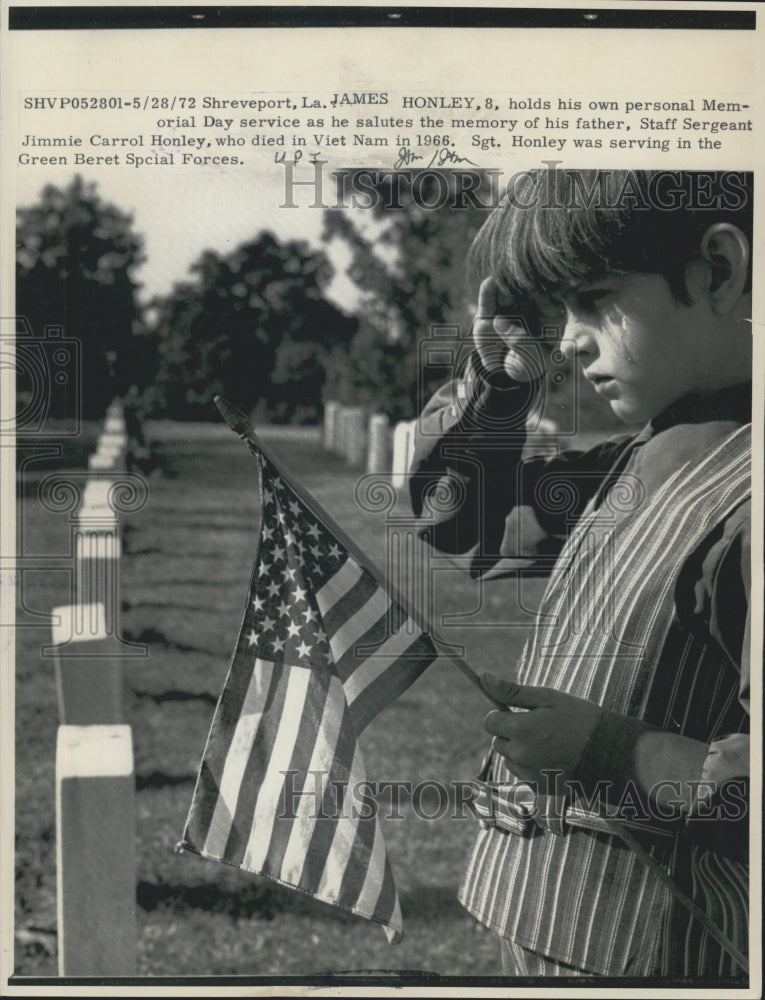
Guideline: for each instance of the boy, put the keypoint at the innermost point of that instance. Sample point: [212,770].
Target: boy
[631,695]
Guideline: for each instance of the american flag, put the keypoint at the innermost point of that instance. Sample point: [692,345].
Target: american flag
[321,650]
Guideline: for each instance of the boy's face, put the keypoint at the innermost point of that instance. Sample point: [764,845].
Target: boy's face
[640,347]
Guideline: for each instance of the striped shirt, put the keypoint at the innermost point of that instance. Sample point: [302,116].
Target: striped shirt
[625,622]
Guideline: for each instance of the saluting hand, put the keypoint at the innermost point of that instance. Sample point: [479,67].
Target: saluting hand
[501,339]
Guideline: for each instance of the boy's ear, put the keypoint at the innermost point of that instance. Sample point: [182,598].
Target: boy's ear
[725,249]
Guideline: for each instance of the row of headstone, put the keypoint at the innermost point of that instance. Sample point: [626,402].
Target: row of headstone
[369,443]
[390,451]
[95,782]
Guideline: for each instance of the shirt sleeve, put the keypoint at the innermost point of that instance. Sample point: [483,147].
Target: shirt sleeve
[722,599]
[476,490]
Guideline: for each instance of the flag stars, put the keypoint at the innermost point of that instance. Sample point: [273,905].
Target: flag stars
[293,629]
[303,649]
[278,644]
[274,588]
[268,624]
[258,603]
[299,593]
[251,638]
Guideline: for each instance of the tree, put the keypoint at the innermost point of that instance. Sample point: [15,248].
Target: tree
[75,262]
[254,325]
[409,265]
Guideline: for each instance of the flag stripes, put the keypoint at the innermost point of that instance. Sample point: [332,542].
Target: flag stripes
[375,609]
[308,808]
[321,650]
[243,737]
[272,785]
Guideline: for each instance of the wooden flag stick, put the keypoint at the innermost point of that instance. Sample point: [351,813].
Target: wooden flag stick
[238,422]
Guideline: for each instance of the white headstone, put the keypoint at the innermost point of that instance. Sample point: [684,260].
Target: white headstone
[102,460]
[95,851]
[341,427]
[355,437]
[378,448]
[403,446]
[331,410]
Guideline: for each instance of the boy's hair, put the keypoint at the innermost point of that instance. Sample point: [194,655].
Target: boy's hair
[558,228]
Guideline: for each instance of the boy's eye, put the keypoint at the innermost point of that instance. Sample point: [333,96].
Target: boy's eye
[551,311]
[588,300]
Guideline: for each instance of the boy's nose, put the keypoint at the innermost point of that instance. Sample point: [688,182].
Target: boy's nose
[577,341]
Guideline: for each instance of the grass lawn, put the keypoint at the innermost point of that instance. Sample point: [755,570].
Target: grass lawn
[185,571]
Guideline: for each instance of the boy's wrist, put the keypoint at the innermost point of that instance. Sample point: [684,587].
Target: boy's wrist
[633,762]
[608,761]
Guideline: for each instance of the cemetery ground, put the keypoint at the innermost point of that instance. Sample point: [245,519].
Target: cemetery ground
[187,559]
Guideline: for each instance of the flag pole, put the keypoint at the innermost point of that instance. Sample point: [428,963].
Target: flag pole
[240,424]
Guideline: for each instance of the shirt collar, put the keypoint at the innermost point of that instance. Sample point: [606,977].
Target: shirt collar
[732,403]
[684,431]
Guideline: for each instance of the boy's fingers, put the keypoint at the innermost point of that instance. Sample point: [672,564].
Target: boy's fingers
[503,324]
[488,299]
[515,695]
[499,690]
[500,723]
[505,747]
[523,363]
[501,339]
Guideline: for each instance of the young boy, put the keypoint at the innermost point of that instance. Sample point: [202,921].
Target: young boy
[631,696]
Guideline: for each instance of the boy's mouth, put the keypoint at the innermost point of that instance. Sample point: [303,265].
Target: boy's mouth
[604,384]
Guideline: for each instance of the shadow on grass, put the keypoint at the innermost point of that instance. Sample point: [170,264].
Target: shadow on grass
[151,637]
[176,695]
[160,779]
[164,606]
[267,900]
[211,527]
[212,582]
[261,899]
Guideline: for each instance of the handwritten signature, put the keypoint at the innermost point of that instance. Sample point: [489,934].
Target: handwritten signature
[441,157]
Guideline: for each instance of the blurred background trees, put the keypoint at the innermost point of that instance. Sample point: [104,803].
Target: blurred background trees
[258,323]
[254,324]
[75,263]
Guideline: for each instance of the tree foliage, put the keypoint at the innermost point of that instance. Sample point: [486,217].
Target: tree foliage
[254,325]
[76,255]
[408,263]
